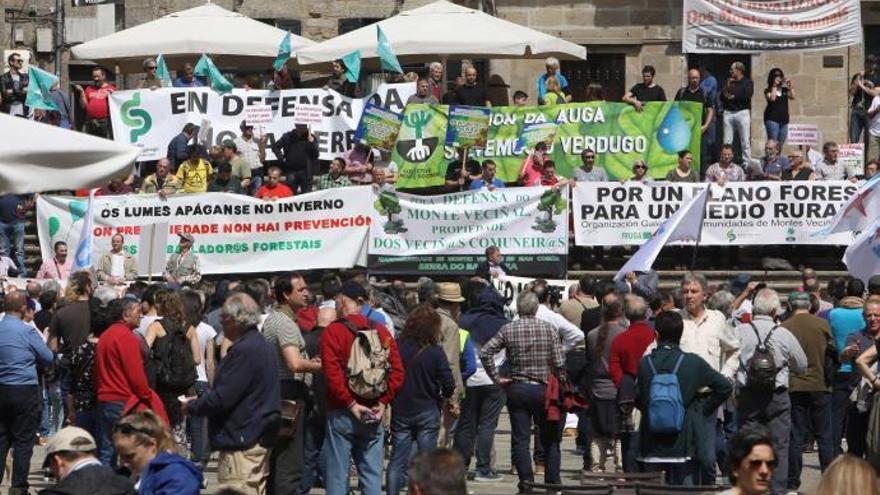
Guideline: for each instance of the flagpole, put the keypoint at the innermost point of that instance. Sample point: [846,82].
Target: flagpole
[700,236]
[152,243]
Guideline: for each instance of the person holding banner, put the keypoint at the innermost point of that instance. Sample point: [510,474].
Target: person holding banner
[588,172]
[59,266]
[532,168]
[471,93]
[359,163]
[725,170]
[798,170]
[684,172]
[645,91]
[335,178]
[273,188]
[117,266]
[487,179]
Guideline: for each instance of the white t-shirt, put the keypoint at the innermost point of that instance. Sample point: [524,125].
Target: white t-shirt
[5,264]
[874,126]
[117,267]
[146,321]
[205,333]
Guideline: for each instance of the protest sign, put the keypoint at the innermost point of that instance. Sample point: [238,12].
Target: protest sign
[467,127]
[233,233]
[803,134]
[538,132]
[150,119]
[308,115]
[852,155]
[731,26]
[378,127]
[449,234]
[615,131]
[741,213]
[258,115]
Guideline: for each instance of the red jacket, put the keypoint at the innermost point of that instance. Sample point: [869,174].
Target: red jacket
[335,348]
[627,350]
[119,367]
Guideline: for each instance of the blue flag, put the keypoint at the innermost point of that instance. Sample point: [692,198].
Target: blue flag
[40,89]
[206,68]
[162,71]
[284,52]
[352,63]
[83,258]
[386,54]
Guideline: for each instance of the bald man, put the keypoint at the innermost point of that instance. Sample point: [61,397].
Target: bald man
[694,92]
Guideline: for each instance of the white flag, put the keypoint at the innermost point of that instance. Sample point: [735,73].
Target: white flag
[862,257]
[859,211]
[83,258]
[685,224]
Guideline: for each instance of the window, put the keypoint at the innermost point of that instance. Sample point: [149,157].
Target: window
[292,25]
[607,69]
[347,25]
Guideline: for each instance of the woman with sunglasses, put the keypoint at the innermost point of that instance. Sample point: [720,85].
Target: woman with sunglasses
[640,172]
[752,460]
[145,446]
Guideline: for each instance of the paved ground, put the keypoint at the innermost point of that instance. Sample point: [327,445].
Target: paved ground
[571,465]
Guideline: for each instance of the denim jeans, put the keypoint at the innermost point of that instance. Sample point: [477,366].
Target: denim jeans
[108,414]
[19,420]
[197,428]
[776,131]
[53,412]
[525,405]
[314,454]
[708,455]
[840,409]
[810,411]
[349,438]
[475,434]
[299,181]
[858,124]
[677,473]
[741,123]
[88,420]
[12,243]
[256,180]
[421,429]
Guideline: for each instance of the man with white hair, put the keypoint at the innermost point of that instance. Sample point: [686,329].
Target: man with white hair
[436,79]
[768,356]
[552,66]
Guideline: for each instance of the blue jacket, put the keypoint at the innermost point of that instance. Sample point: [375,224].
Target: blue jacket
[484,321]
[21,349]
[170,474]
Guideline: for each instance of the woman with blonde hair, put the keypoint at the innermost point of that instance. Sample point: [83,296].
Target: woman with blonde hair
[146,447]
[848,475]
[554,95]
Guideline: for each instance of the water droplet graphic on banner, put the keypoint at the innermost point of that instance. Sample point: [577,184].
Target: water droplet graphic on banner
[674,134]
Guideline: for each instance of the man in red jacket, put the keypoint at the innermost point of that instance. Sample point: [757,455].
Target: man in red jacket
[119,375]
[354,424]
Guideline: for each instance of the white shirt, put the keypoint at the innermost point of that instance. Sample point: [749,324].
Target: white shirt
[571,335]
[874,125]
[117,267]
[5,264]
[713,340]
[205,334]
[480,377]
[146,321]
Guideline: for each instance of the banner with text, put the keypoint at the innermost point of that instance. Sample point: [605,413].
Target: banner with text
[741,26]
[756,213]
[150,119]
[449,234]
[233,233]
[615,131]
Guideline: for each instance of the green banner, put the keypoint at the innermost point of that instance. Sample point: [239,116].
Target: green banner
[615,131]
[378,127]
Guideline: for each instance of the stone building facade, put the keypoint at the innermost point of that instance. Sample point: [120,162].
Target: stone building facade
[621,36]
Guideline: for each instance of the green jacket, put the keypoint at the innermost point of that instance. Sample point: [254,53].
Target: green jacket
[693,375]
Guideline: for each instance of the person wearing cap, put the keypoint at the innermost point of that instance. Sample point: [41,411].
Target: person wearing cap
[354,424]
[253,151]
[21,350]
[241,169]
[449,301]
[150,80]
[117,267]
[809,393]
[183,266]
[195,172]
[72,458]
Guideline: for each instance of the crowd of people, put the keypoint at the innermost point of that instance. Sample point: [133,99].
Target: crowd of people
[293,389]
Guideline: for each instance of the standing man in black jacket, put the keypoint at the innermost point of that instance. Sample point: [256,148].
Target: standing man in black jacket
[244,405]
[296,150]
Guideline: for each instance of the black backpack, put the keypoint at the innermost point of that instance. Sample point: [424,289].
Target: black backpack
[172,359]
[761,369]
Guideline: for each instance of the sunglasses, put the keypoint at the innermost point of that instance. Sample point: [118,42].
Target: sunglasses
[639,166]
[152,68]
[757,463]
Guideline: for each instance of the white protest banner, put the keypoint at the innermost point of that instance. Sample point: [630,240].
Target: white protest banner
[741,26]
[308,114]
[149,119]
[449,234]
[852,155]
[233,233]
[741,213]
[258,115]
[803,134]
